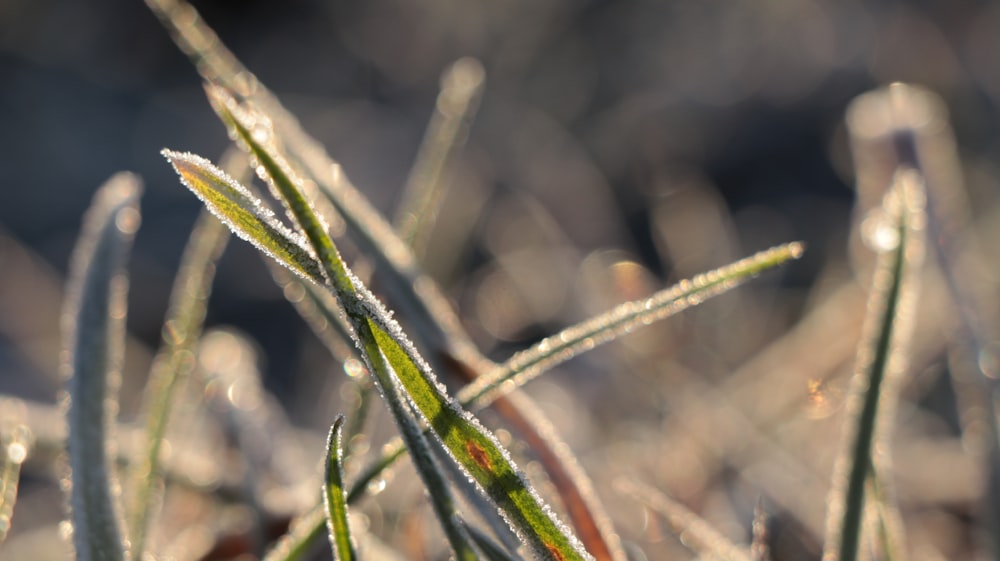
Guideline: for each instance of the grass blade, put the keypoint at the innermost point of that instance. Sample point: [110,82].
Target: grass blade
[698,535]
[334,496]
[624,318]
[392,357]
[416,295]
[94,338]
[174,361]
[16,446]
[284,185]
[881,359]
[759,549]
[245,215]
[304,531]
[461,87]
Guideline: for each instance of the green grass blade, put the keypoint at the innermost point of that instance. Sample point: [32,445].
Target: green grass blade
[252,133]
[285,185]
[16,446]
[334,496]
[880,361]
[174,361]
[430,472]
[699,536]
[391,357]
[430,310]
[94,328]
[624,318]
[245,215]
[480,454]
[477,395]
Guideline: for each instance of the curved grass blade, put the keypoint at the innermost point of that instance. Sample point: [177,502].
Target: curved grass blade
[584,336]
[174,361]
[880,362]
[94,338]
[699,536]
[583,507]
[430,472]
[281,180]
[624,318]
[907,125]
[461,87]
[430,310]
[392,357]
[245,215]
[16,446]
[334,497]
[416,294]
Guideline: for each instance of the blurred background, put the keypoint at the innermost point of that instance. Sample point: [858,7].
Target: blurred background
[618,147]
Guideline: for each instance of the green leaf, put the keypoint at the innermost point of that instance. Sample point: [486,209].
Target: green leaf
[334,496]
[94,328]
[880,362]
[245,215]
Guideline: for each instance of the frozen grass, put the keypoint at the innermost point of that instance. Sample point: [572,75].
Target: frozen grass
[485,506]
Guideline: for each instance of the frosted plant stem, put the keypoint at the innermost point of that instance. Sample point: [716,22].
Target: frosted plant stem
[471,445]
[624,318]
[16,445]
[461,88]
[698,535]
[175,359]
[94,328]
[910,125]
[879,365]
[418,297]
[334,497]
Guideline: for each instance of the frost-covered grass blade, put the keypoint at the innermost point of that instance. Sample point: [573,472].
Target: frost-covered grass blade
[380,337]
[174,361]
[16,444]
[390,356]
[94,340]
[334,496]
[461,88]
[245,215]
[626,317]
[698,534]
[879,364]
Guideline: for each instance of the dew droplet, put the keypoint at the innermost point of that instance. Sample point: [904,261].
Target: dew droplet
[17,452]
[878,234]
[260,133]
[354,368]
[128,220]
[376,486]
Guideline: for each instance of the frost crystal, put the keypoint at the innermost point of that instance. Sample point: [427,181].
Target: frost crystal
[251,220]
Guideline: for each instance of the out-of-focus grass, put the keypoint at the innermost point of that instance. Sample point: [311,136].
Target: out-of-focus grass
[737,399]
